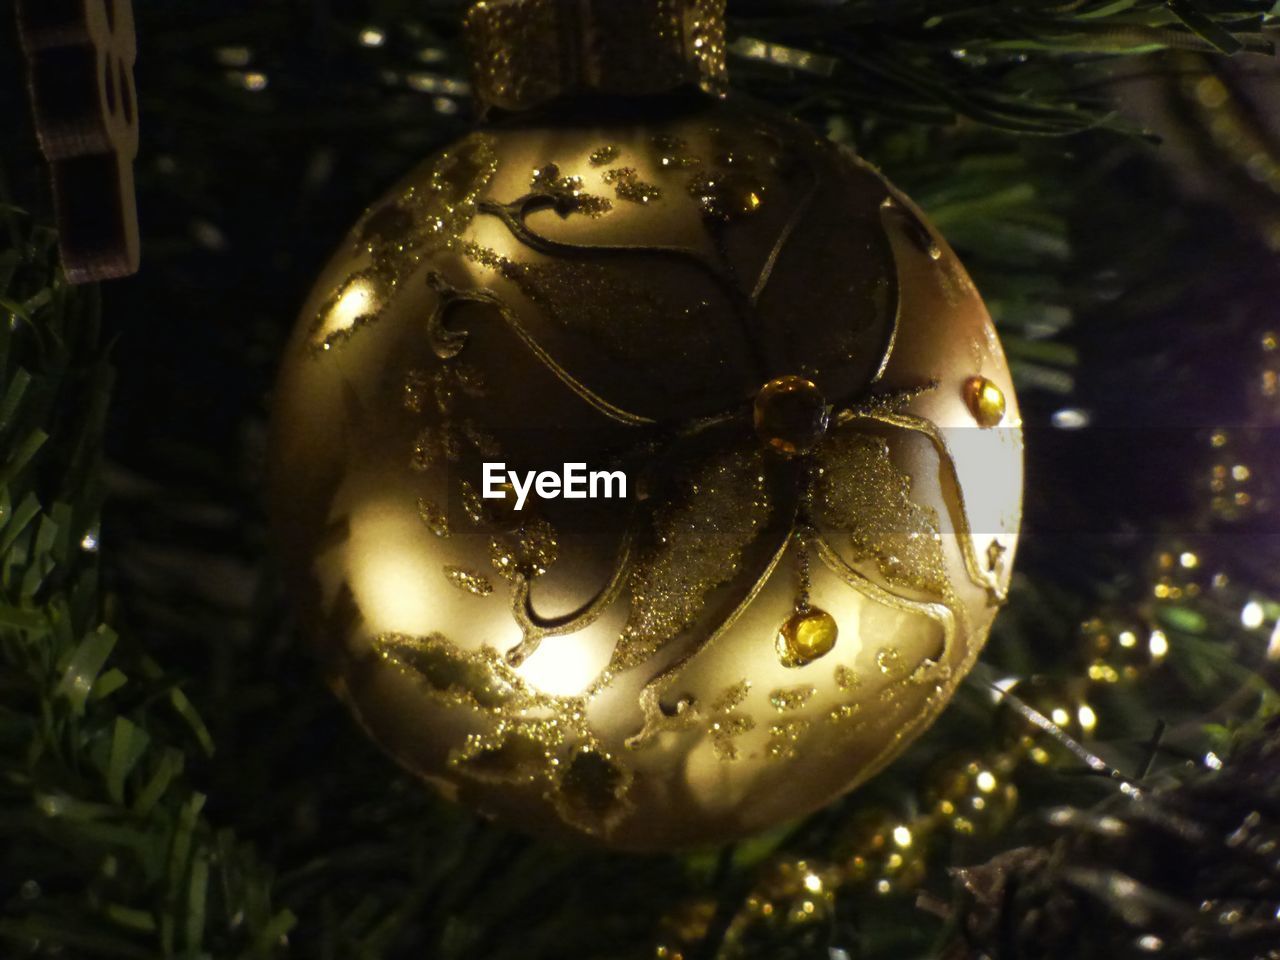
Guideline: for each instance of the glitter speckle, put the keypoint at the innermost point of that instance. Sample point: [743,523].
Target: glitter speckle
[846,678]
[528,552]
[434,518]
[628,186]
[397,236]
[468,581]
[863,492]
[673,154]
[416,387]
[727,196]
[605,155]
[889,660]
[567,192]
[793,698]
[725,730]
[731,697]
[700,541]
[784,736]
[434,446]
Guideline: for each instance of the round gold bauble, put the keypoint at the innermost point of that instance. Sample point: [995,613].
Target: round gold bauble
[776,352]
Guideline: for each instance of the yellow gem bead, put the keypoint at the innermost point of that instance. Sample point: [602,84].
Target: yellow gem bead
[791,415]
[986,401]
[807,636]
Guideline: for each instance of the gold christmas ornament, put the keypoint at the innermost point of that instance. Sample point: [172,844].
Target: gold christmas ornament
[795,528]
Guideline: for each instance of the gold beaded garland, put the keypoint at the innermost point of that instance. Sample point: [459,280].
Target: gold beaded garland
[971,795]
[795,891]
[1061,701]
[684,927]
[1120,651]
[881,853]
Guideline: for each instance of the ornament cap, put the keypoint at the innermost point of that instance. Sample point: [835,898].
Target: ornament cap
[525,53]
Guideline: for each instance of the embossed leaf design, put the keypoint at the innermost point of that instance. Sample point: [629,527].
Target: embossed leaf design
[861,493]
[475,679]
[699,540]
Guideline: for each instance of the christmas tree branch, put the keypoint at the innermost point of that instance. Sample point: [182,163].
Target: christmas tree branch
[105,847]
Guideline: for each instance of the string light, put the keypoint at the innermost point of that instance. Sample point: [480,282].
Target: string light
[252,80]
[435,83]
[1070,418]
[233,56]
[1252,615]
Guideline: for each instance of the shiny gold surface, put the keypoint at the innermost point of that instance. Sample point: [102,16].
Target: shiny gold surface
[527,52]
[608,670]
